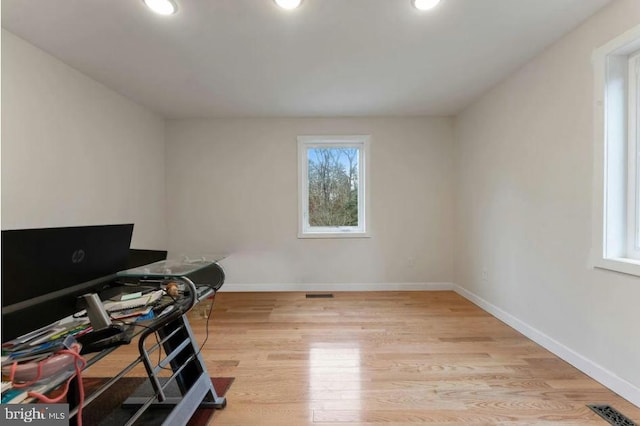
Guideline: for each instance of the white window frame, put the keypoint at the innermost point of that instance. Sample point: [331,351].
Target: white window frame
[362,142]
[633,198]
[614,241]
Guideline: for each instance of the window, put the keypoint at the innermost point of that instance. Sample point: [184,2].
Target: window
[633,214]
[616,160]
[332,173]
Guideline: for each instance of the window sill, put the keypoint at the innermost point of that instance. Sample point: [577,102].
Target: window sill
[334,235]
[619,264]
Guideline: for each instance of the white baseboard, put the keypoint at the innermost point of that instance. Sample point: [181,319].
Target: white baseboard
[257,287]
[590,368]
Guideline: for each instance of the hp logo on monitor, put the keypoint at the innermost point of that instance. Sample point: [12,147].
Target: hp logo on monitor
[77,256]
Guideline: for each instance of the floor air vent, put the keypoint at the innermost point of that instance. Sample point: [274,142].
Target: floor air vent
[319,296]
[612,415]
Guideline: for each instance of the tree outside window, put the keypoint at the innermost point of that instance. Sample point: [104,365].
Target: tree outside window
[332,185]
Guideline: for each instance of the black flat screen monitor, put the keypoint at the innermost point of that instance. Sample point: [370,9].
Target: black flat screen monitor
[44,270]
[141,257]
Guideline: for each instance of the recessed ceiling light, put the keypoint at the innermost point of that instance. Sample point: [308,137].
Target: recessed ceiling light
[425,4]
[162,7]
[288,4]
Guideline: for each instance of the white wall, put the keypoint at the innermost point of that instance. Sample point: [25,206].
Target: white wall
[524,155]
[232,187]
[75,152]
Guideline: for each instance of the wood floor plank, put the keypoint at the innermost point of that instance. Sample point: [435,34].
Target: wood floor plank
[392,358]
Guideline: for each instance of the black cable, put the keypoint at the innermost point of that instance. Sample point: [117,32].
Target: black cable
[206,328]
[206,338]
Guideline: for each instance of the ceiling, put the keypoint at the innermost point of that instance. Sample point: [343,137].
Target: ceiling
[249,58]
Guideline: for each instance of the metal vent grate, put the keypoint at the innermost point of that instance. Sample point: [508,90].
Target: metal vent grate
[612,415]
[319,296]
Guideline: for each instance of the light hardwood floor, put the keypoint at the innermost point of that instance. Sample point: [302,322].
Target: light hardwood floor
[396,358]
